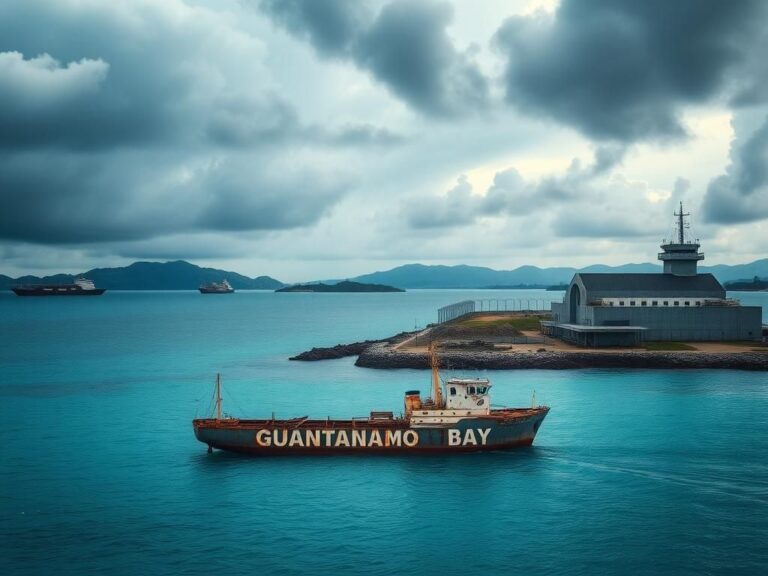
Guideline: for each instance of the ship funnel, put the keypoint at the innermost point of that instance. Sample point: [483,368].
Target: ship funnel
[412,401]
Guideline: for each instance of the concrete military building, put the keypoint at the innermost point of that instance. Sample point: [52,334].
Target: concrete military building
[677,305]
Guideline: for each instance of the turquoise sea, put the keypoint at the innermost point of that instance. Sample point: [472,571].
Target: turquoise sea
[633,472]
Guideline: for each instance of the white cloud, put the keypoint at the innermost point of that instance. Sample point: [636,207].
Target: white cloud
[42,81]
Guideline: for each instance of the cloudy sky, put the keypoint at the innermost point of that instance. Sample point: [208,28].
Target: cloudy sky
[307,139]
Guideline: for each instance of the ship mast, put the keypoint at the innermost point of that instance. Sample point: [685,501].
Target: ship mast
[437,391]
[218,396]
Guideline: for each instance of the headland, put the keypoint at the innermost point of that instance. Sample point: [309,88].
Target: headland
[514,340]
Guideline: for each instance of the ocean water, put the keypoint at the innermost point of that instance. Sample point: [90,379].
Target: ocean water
[633,472]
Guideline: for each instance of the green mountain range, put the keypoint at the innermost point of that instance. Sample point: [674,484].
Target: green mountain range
[177,275]
[463,276]
[181,275]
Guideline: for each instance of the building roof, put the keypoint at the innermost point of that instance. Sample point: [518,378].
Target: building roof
[637,283]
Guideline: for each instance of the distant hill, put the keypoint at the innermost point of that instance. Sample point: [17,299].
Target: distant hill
[177,275]
[181,275]
[463,276]
[755,285]
[345,286]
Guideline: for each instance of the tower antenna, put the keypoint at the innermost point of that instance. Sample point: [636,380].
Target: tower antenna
[681,224]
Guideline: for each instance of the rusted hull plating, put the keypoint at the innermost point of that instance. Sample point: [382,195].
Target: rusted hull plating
[500,430]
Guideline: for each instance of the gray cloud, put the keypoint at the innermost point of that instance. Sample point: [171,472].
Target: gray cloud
[141,195]
[586,201]
[741,194]
[509,195]
[330,25]
[243,196]
[586,224]
[406,47]
[751,81]
[94,77]
[147,124]
[362,134]
[75,198]
[608,157]
[456,208]
[150,74]
[621,69]
[242,121]
[54,104]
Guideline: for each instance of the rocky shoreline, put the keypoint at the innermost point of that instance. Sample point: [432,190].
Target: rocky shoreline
[382,355]
[344,350]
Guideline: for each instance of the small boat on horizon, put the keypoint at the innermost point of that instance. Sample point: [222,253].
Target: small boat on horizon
[80,287]
[457,418]
[222,287]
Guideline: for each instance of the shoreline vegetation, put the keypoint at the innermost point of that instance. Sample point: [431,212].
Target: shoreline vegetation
[493,341]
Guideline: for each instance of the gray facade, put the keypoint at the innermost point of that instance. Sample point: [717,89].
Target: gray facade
[678,305]
[662,307]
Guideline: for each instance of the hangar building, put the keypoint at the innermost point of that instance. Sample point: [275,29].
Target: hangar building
[677,305]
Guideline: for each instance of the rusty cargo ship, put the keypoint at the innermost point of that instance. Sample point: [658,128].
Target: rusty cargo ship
[457,418]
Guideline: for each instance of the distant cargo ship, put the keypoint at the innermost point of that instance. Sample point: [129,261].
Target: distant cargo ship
[222,287]
[81,287]
[462,420]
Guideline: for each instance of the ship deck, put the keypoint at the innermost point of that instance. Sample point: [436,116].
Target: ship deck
[363,423]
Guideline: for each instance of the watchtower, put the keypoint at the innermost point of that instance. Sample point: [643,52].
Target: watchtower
[680,257]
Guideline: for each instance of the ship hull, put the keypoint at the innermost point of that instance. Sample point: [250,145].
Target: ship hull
[214,291]
[500,430]
[58,291]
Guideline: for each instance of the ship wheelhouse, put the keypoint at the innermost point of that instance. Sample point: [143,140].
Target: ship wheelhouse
[464,397]
[468,394]
[460,398]
[85,284]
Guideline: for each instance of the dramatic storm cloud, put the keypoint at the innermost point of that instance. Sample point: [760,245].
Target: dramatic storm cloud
[145,127]
[330,25]
[622,69]
[406,47]
[327,138]
[741,194]
[585,201]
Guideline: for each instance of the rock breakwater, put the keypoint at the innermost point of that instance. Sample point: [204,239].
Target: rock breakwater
[381,355]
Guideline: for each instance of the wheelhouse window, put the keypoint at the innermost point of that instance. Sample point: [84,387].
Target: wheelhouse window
[655,303]
[452,391]
[471,390]
[481,389]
